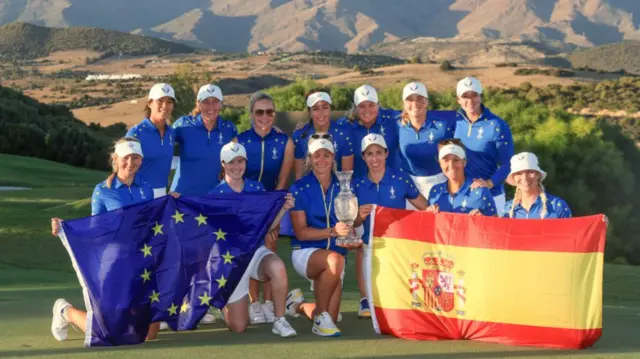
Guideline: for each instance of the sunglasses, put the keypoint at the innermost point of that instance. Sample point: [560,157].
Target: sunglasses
[324,136]
[269,112]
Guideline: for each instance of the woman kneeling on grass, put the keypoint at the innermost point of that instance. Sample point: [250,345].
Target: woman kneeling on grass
[265,266]
[315,255]
[122,188]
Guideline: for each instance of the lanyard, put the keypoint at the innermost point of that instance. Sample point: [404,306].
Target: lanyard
[327,209]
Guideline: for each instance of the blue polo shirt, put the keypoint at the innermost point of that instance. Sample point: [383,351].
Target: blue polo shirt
[199,168]
[342,141]
[556,208]
[119,195]
[385,125]
[463,201]
[308,197]
[392,192]
[419,149]
[264,156]
[489,147]
[249,186]
[157,151]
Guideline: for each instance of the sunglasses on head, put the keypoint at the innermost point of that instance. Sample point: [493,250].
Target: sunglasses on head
[324,136]
[269,112]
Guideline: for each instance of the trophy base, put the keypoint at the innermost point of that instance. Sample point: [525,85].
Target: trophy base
[341,241]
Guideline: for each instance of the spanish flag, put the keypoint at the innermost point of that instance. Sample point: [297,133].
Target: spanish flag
[509,281]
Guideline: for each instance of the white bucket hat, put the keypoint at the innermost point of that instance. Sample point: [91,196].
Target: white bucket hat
[232,150]
[126,148]
[316,97]
[468,84]
[373,139]
[210,90]
[524,161]
[161,90]
[452,149]
[414,88]
[365,93]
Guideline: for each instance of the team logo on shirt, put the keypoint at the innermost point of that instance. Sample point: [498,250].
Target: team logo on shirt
[480,133]
[220,139]
[431,137]
[392,193]
[382,130]
[142,195]
[275,154]
[440,290]
[464,203]
[170,140]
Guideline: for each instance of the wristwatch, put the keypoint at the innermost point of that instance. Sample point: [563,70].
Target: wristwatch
[332,232]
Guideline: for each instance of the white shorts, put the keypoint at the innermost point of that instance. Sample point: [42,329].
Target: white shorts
[500,201]
[424,185]
[300,260]
[159,192]
[251,273]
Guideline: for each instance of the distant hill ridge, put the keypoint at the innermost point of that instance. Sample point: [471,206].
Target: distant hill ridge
[23,40]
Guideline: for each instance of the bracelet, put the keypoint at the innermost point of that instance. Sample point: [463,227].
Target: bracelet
[332,232]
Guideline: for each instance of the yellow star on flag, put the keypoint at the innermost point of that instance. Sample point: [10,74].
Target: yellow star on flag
[205,299]
[155,297]
[157,229]
[146,250]
[221,282]
[201,220]
[145,276]
[178,217]
[227,258]
[185,306]
[220,235]
[173,309]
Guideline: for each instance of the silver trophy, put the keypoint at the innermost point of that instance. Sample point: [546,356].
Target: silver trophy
[346,206]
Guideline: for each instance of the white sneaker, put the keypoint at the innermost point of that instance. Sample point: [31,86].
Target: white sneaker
[295,297]
[323,326]
[60,325]
[339,317]
[256,316]
[267,309]
[282,328]
[164,326]
[208,318]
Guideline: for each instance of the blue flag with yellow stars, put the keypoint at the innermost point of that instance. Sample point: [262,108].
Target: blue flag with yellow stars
[164,260]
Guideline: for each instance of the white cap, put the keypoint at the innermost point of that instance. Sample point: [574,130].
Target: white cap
[161,90]
[452,149]
[210,90]
[468,84]
[316,97]
[373,139]
[365,93]
[315,145]
[126,148]
[414,88]
[232,150]
[524,161]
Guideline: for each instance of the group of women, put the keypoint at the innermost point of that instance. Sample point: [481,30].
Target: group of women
[410,158]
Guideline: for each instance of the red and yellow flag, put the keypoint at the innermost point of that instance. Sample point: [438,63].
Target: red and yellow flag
[519,282]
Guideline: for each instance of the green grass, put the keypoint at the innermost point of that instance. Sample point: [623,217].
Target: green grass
[35,270]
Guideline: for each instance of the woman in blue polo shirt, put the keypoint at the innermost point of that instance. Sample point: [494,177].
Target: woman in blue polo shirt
[368,117]
[122,188]
[315,255]
[265,266]
[531,201]
[455,194]
[157,138]
[418,136]
[269,161]
[201,135]
[319,106]
[487,138]
[381,185]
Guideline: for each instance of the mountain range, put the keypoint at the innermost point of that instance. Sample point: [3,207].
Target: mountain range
[344,25]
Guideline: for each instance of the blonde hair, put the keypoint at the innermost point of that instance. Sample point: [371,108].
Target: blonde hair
[517,198]
[404,118]
[114,159]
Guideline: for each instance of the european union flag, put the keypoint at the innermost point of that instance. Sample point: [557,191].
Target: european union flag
[164,260]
